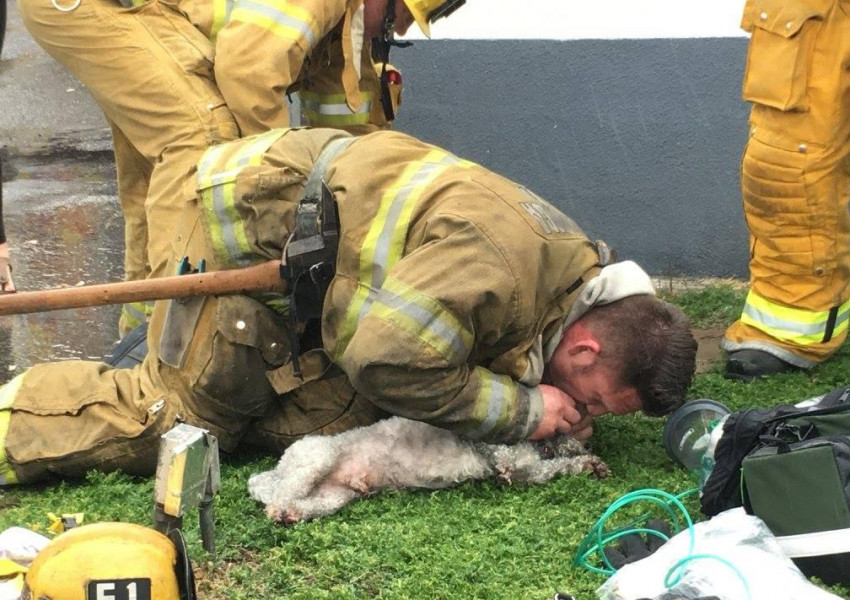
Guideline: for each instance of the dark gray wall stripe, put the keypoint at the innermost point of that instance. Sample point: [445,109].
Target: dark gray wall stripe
[638,140]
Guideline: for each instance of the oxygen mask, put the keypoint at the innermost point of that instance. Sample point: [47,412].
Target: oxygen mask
[691,434]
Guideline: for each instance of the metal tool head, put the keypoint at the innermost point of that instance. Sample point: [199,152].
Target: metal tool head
[187,476]
[187,470]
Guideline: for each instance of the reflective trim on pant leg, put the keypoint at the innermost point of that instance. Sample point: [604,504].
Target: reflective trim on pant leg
[134,314]
[7,396]
[793,325]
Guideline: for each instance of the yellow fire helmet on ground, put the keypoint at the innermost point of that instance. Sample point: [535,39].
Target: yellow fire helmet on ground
[111,561]
[426,12]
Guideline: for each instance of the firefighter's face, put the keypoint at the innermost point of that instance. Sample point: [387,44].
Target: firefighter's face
[373,17]
[576,369]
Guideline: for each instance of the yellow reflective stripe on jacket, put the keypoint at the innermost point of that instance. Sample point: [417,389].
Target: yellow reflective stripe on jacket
[280,18]
[332,110]
[222,9]
[7,396]
[217,172]
[424,318]
[802,327]
[384,242]
[496,399]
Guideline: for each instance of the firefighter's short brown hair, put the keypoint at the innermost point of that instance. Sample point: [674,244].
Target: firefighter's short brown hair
[650,343]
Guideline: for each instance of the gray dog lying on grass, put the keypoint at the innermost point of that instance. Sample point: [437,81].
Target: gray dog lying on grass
[319,475]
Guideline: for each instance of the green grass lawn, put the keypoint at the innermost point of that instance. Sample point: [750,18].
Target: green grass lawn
[480,540]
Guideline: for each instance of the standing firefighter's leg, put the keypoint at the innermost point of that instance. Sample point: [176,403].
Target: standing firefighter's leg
[134,174]
[796,190]
[151,72]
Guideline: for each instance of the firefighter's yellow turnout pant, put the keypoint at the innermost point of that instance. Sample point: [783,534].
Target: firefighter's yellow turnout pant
[795,180]
[220,362]
[151,72]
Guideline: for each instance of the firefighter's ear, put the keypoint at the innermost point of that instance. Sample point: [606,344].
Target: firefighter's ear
[581,345]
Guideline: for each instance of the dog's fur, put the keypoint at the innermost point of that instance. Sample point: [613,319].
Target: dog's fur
[319,475]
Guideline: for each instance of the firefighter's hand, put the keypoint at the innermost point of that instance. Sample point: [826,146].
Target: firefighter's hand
[584,428]
[560,414]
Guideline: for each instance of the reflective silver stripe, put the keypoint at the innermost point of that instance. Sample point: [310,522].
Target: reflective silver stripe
[221,16]
[495,392]
[206,164]
[279,17]
[535,412]
[429,322]
[843,316]
[384,243]
[769,320]
[221,194]
[136,313]
[336,109]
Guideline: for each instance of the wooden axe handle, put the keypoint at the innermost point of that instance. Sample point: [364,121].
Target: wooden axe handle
[264,277]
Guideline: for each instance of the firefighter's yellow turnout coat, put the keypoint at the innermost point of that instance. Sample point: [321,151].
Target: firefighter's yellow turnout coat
[450,282]
[174,77]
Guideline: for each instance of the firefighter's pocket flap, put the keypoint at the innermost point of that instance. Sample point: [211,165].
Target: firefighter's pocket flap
[314,364]
[243,320]
[781,17]
[180,323]
[780,51]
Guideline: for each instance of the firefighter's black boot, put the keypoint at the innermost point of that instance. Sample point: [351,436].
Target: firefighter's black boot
[746,365]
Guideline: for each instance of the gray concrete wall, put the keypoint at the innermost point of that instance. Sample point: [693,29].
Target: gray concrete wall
[639,140]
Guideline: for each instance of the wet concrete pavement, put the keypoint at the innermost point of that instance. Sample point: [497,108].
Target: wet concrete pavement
[63,221]
[61,210]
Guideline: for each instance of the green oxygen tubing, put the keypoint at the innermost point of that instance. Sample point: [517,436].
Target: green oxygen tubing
[597,538]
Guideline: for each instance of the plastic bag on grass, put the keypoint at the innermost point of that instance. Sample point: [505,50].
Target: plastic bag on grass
[734,557]
[18,548]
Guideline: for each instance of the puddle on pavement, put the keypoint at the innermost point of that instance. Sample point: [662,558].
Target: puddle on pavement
[65,227]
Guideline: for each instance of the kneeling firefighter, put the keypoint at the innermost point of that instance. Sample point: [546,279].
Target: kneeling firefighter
[118,561]
[423,314]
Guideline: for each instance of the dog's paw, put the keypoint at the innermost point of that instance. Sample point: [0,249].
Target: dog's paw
[362,483]
[596,467]
[284,515]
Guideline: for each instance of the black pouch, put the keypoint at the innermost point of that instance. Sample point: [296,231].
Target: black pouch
[790,466]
